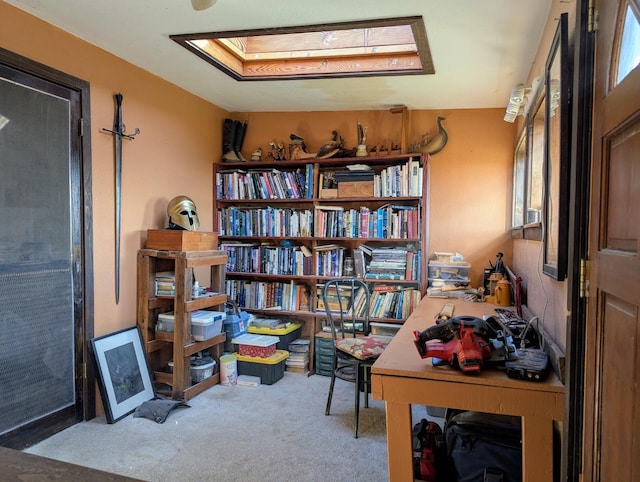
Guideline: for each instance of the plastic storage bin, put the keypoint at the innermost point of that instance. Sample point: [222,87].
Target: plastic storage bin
[199,368]
[286,334]
[235,323]
[270,369]
[449,271]
[256,345]
[204,324]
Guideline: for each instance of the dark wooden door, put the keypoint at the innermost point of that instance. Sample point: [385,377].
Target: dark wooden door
[612,372]
[44,238]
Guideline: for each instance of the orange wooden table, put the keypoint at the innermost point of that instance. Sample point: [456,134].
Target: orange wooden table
[401,378]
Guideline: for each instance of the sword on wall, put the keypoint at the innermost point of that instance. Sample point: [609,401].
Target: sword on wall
[118,132]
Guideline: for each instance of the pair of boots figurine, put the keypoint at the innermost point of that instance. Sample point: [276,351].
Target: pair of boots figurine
[232,138]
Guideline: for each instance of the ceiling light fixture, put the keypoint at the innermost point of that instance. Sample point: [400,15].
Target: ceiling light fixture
[202,4]
[517,102]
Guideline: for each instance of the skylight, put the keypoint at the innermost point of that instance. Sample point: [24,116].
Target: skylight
[396,46]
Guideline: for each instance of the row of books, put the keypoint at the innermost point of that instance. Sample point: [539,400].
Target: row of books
[267,259]
[235,184]
[395,303]
[384,263]
[386,301]
[268,295]
[268,221]
[403,180]
[397,263]
[329,260]
[165,283]
[388,221]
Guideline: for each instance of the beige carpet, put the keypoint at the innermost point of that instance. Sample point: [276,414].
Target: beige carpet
[268,433]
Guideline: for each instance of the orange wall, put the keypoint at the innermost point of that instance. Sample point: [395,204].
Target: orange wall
[470,178]
[173,154]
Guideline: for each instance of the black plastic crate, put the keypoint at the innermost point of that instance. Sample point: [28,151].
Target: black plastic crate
[270,369]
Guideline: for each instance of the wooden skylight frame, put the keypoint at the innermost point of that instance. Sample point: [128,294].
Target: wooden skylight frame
[392,46]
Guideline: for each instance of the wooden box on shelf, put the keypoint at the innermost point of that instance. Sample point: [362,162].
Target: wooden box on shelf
[326,193]
[180,240]
[355,189]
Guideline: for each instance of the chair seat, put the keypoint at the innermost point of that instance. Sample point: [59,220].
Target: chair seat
[361,347]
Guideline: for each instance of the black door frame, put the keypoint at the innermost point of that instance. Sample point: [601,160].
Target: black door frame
[85,407]
[582,115]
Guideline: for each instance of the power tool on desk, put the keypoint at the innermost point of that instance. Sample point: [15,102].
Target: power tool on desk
[466,342]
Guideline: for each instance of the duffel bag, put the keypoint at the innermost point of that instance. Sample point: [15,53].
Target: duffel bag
[484,447]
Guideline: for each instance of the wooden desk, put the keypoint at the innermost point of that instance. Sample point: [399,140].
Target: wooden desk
[401,378]
[23,466]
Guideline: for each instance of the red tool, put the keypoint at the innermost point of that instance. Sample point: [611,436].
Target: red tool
[463,343]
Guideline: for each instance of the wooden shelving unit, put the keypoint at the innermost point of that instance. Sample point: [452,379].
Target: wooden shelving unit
[179,345]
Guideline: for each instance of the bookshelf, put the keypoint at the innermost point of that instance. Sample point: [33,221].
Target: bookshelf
[287,227]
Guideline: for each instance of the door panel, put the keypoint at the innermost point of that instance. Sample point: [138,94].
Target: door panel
[43,243]
[612,369]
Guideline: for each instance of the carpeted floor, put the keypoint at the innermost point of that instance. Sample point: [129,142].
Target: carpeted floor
[273,432]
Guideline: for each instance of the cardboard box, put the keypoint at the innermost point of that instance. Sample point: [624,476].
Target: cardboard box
[355,189]
[180,240]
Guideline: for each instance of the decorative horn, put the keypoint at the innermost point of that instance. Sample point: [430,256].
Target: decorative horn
[438,142]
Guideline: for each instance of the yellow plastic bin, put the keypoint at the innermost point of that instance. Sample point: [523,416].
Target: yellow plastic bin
[286,334]
[269,369]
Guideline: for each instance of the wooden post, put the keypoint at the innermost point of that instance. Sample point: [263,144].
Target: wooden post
[404,134]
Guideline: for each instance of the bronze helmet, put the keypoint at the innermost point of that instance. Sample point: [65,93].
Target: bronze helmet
[183,214]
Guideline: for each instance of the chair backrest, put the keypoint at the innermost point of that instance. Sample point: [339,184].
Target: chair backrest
[347,304]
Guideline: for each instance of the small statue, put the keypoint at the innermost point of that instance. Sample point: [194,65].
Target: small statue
[257,154]
[298,149]
[277,151]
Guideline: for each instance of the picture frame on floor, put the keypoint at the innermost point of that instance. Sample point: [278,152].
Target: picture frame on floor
[124,377]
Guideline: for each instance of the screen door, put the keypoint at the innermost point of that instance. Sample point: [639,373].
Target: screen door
[39,234]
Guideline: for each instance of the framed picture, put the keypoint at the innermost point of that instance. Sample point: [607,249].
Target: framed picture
[124,377]
[556,159]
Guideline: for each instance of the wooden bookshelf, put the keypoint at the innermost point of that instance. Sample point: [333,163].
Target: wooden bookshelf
[287,230]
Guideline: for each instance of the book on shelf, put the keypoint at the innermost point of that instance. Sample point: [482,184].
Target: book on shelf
[165,283]
[359,263]
[384,276]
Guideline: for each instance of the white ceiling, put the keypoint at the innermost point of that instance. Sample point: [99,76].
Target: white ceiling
[480,49]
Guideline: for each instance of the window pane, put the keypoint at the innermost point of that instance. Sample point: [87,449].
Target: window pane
[629,55]
[519,164]
[534,204]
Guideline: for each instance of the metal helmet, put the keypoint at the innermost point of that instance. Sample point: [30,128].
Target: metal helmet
[183,214]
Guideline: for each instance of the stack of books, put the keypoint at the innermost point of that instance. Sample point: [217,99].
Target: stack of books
[298,360]
[165,283]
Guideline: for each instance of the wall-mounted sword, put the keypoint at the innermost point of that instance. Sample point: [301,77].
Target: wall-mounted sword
[118,132]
